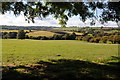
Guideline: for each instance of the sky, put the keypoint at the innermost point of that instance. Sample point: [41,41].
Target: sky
[10,19]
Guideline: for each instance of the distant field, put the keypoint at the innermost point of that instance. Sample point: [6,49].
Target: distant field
[11,30]
[48,33]
[30,51]
[72,32]
[67,32]
[37,33]
[40,33]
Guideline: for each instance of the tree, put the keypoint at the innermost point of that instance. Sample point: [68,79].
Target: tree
[64,10]
[66,37]
[4,35]
[73,36]
[114,39]
[21,34]
[12,35]
[105,39]
[87,38]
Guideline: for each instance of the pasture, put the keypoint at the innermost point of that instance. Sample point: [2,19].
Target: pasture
[59,60]
[30,51]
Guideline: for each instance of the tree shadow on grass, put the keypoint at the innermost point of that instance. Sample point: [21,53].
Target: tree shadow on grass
[117,64]
[62,69]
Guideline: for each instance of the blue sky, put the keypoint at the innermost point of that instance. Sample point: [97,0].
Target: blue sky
[10,19]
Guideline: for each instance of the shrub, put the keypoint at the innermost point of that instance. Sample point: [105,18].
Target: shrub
[65,37]
[87,38]
[26,37]
[79,37]
[91,40]
[57,37]
[43,38]
[21,34]
[12,35]
[4,35]
[105,39]
[111,39]
[72,36]
[117,39]
[96,40]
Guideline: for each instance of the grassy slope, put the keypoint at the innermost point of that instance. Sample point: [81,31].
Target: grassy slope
[31,51]
[40,33]
[48,33]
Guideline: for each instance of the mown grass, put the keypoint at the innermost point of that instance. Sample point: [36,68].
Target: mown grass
[30,51]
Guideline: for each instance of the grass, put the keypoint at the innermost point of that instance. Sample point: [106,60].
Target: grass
[30,51]
[59,60]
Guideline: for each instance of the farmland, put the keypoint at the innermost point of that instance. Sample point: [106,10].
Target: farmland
[60,57]
[56,59]
[31,51]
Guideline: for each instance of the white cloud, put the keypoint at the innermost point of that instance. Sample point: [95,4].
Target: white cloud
[11,19]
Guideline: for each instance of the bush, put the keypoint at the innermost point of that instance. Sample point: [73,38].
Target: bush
[43,38]
[96,40]
[79,37]
[114,39]
[4,35]
[87,38]
[21,34]
[65,37]
[72,36]
[26,37]
[105,39]
[12,35]
[57,37]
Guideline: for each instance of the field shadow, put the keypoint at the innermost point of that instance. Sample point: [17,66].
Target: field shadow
[117,64]
[61,32]
[62,69]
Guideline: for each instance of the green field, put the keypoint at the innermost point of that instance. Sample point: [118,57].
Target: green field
[31,51]
[59,60]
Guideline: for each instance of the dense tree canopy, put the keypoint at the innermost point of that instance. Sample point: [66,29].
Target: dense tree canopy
[64,10]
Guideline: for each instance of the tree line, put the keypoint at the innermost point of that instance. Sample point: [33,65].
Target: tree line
[21,34]
[89,36]
[100,37]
